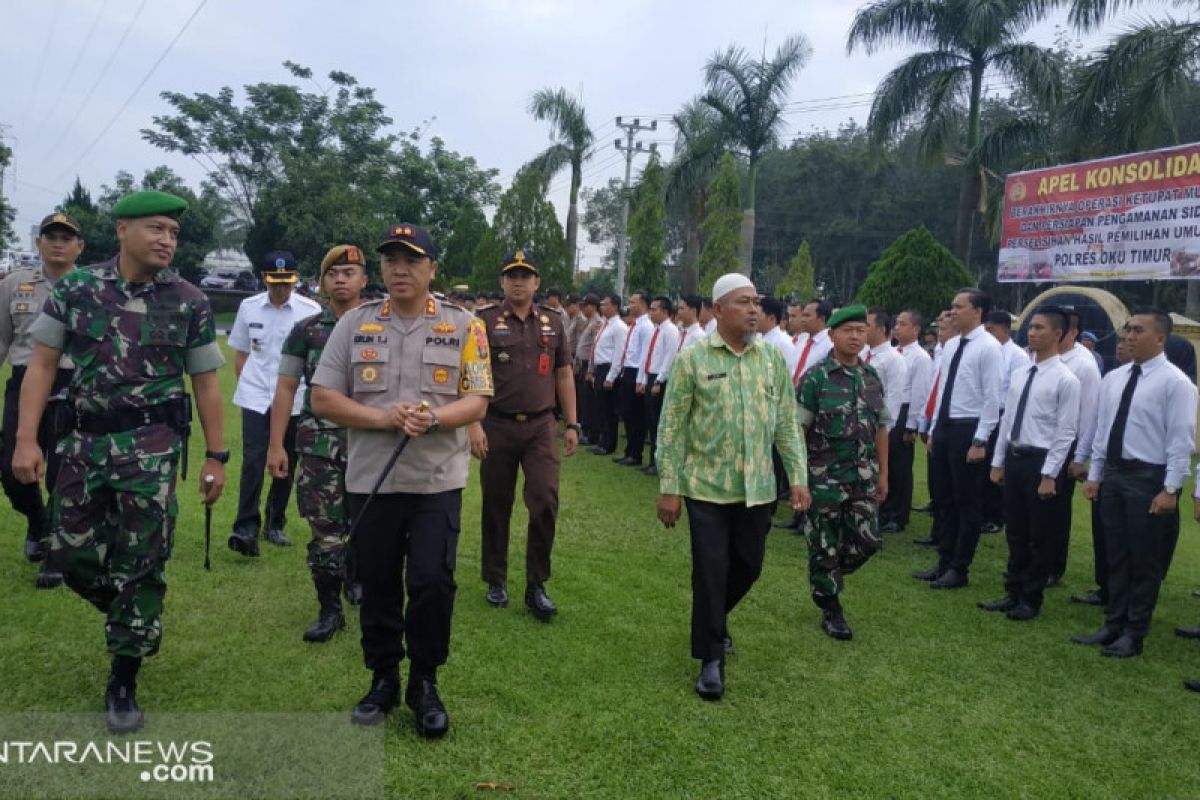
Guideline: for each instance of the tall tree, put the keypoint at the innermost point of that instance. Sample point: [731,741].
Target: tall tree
[572,146]
[942,88]
[749,96]
[699,145]
[458,256]
[800,281]
[647,231]
[722,221]
[524,220]
[916,271]
[602,209]
[7,212]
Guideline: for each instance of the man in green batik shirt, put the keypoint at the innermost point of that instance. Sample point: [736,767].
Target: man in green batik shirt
[845,423]
[728,401]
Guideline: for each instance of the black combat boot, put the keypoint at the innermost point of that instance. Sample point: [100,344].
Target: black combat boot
[329,588]
[421,696]
[380,700]
[120,699]
[35,537]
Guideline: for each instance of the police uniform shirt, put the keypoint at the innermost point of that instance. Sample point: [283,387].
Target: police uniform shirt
[525,354]
[22,295]
[1051,417]
[259,330]
[691,334]
[666,342]
[1161,427]
[1015,360]
[976,392]
[379,359]
[608,344]
[1079,360]
[587,339]
[919,379]
[893,372]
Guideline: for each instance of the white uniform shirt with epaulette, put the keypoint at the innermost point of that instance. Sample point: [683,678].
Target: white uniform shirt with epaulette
[380,359]
[22,295]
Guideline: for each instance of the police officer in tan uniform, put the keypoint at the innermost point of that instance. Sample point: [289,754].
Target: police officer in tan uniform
[532,366]
[383,359]
[22,294]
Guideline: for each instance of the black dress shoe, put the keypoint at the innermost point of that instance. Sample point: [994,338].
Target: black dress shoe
[539,603]
[1194,685]
[275,536]
[1188,633]
[951,579]
[1104,636]
[47,577]
[1006,603]
[928,541]
[429,714]
[379,701]
[834,625]
[928,575]
[600,451]
[991,527]
[651,470]
[711,683]
[924,509]
[891,527]
[1022,613]
[1125,647]
[1087,599]
[626,461]
[244,544]
[497,595]
[792,525]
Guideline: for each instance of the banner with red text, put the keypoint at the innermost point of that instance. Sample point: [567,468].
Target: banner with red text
[1131,217]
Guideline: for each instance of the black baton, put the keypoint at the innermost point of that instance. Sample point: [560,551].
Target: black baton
[208,481]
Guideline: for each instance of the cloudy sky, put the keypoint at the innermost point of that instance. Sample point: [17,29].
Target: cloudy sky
[81,77]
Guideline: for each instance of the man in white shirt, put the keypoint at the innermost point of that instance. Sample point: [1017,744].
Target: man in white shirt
[708,320]
[689,320]
[894,512]
[605,351]
[892,369]
[263,322]
[1141,456]
[999,325]
[1030,461]
[966,411]
[818,345]
[945,332]
[795,323]
[656,369]
[773,314]
[623,375]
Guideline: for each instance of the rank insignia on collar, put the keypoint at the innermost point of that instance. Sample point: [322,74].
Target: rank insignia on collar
[385,310]
[431,307]
[445,327]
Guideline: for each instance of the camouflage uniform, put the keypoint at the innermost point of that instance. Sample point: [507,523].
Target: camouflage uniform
[842,408]
[113,511]
[320,450]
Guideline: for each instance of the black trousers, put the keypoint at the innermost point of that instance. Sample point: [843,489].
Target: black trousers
[1029,525]
[653,412]
[606,407]
[586,403]
[900,475]
[633,410]
[1060,546]
[1138,544]
[993,495]
[256,437]
[959,498]
[406,543]
[729,541]
[26,498]
[1099,553]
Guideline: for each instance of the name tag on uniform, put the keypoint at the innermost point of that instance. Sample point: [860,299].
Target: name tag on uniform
[716,376]
[256,324]
[544,364]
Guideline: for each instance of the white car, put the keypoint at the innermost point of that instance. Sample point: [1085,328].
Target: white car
[221,279]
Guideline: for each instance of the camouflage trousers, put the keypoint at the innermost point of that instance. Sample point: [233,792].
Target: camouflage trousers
[841,538]
[321,498]
[112,527]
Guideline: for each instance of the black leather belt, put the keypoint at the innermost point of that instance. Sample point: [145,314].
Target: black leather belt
[1133,463]
[128,419]
[1026,451]
[522,416]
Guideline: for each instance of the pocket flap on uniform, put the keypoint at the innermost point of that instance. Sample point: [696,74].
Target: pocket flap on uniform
[444,356]
[92,323]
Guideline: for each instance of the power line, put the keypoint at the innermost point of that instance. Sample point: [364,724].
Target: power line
[41,68]
[87,40]
[133,94]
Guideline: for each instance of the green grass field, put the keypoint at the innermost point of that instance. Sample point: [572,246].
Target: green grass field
[932,698]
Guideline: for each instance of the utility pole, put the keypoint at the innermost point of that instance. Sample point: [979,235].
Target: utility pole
[630,149]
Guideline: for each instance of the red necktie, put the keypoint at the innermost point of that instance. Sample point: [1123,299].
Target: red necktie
[650,353]
[682,338]
[869,354]
[803,358]
[900,349]
[596,342]
[625,349]
[932,396]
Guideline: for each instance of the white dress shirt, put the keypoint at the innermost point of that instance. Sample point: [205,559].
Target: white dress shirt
[259,330]
[692,334]
[1161,427]
[893,371]
[976,392]
[1079,360]
[665,338]
[608,343]
[1015,360]
[813,352]
[711,326]
[634,347]
[1051,413]
[783,342]
[920,381]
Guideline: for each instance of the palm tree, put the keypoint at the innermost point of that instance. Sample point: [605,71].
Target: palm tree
[699,144]
[749,96]
[941,89]
[572,146]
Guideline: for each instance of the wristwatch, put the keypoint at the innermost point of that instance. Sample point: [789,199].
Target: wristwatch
[220,456]
[1172,490]
[575,426]
[434,425]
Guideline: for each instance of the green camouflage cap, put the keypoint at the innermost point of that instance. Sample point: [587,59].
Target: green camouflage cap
[848,314]
[149,204]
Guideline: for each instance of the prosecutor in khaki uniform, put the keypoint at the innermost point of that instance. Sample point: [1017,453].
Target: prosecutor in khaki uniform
[381,362]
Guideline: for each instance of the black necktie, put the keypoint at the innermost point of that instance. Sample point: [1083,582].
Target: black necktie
[1016,428]
[944,413]
[1116,435]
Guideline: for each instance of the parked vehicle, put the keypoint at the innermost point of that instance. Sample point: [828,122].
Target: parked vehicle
[221,279]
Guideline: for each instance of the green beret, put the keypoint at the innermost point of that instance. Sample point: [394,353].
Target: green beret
[848,314]
[149,204]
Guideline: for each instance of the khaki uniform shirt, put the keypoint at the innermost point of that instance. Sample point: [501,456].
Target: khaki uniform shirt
[524,357]
[22,295]
[379,359]
[587,338]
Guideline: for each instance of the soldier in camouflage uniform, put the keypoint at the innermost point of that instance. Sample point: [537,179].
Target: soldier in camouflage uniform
[132,327]
[846,423]
[320,444]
